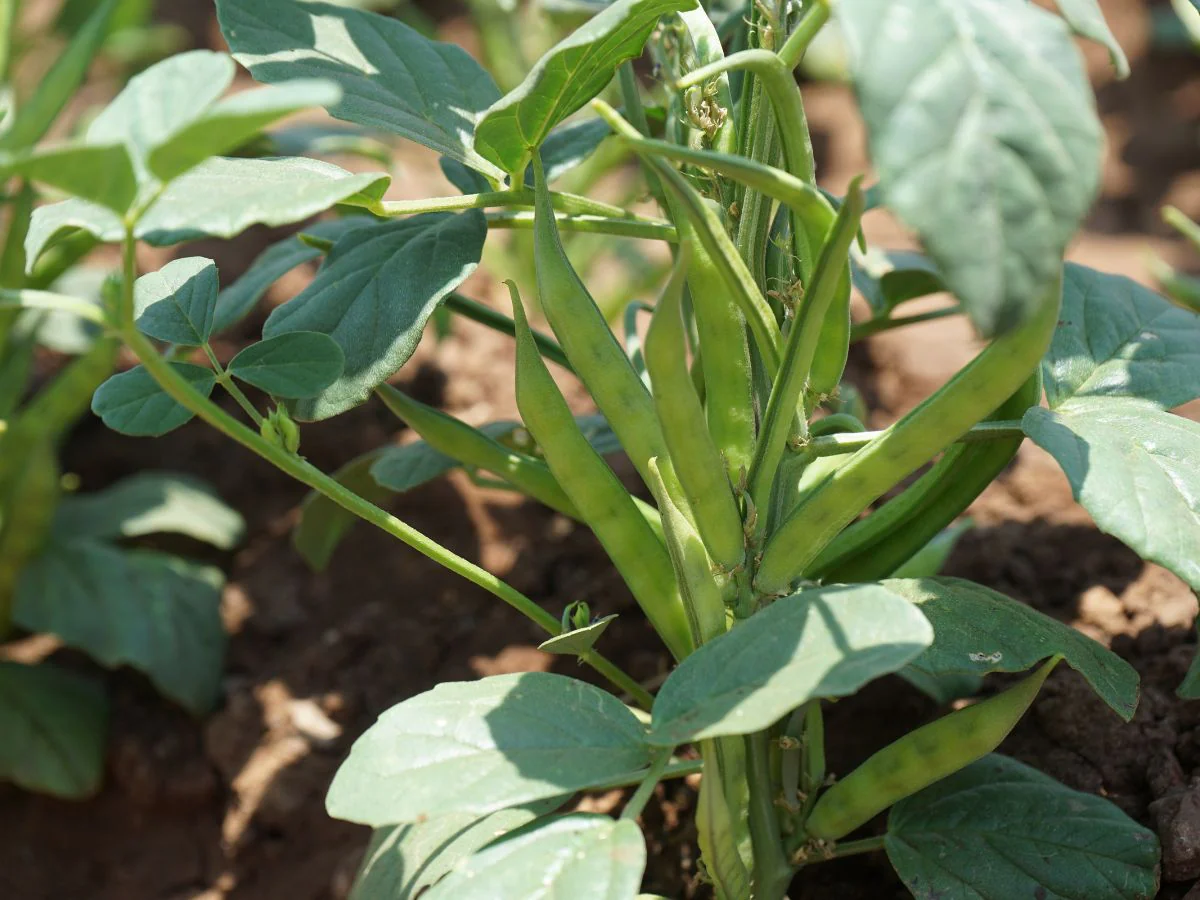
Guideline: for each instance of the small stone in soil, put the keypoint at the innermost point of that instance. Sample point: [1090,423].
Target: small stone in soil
[1177,821]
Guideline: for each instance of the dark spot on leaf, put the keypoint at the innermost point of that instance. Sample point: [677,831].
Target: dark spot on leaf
[1039,893]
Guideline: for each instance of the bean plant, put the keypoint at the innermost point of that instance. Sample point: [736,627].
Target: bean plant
[759,550]
[65,566]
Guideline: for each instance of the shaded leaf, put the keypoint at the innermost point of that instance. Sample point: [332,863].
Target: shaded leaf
[570,74]
[982,126]
[292,365]
[375,293]
[391,76]
[584,857]
[133,403]
[978,631]
[100,174]
[151,503]
[1086,18]
[55,726]
[323,523]
[148,610]
[887,278]
[176,303]
[485,745]
[999,828]
[822,642]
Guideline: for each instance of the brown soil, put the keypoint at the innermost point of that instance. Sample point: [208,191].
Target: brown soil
[232,808]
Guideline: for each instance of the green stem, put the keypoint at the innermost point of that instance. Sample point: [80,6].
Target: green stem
[226,381]
[25,299]
[566,203]
[675,768]
[853,848]
[633,228]
[884,323]
[772,872]
[812,21]
[181,390]
[8,28]
[645,790]
[837,444]
[498,321]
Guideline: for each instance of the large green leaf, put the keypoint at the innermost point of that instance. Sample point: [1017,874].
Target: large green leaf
[133,403]
[391,76]
[176,303]
[823,642]
[1116,338]
[401,861]
[54,724]
[236,301]
[154,612]
[485,745]
[291,365]
[218,198]
[101,174]
[570,74]
[323,523]
[1001,829]
[583,857]
[150,503]
[983,129]
[229,123]
[1086,18]
[977,630]
[1134,468]
[887,278]
[374,295]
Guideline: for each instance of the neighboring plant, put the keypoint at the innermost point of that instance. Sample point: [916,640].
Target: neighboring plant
[755,564]
[63,568]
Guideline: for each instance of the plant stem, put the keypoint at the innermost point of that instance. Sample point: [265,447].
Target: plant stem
[810,23]
[567,203]
[645,790]
[8,28]
[837,444]
[772,872]
[884,323]
[179,389]
[633,228]
[853,848]
[19,299]
[498,321]
[226,381]
[675,768]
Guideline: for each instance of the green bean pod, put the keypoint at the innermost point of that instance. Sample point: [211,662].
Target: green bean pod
[972,394]
[696,459]
[724,357]
[589,343]
[922,757]
[717,834]
[30,497]
[702,595]
[874,548]
[597,494]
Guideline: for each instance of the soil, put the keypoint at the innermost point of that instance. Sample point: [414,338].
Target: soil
[231,808]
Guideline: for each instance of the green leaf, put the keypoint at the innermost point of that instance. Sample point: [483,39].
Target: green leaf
[929,560]
[401,861]
[176,303]
[55,727]
[1087,20]
[161,102]
[977,631]
[887,278]
[56,87]
[486,745]
[293,365]
[465,179]
[391,76]
[236,301]
[1133,468]
[231,122]
[323,523]
[822,642]
[982,126]
[151,611]
[1116,338]
[568,145]
[151,503]
[409,466]
[133,403]
[584,857]
[218,198]
[999,828]
[100,174]
[577,641]
[375,293]
[570,74]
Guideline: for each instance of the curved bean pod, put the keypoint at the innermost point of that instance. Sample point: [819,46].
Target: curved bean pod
[922,757]
[602,501]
